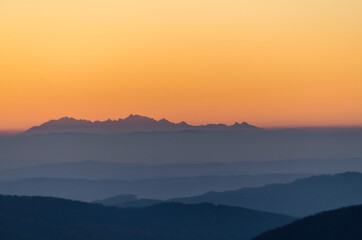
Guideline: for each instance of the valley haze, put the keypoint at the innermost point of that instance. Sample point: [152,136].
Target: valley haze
[143,140]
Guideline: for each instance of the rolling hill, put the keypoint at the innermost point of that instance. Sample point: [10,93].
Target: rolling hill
[39,218]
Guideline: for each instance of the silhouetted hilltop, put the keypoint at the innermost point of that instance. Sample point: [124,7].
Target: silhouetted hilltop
[133,123]
[300,198]
[128,200]
[39,218]
[113,201]
[340,224]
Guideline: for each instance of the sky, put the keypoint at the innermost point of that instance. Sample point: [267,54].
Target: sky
[271,63]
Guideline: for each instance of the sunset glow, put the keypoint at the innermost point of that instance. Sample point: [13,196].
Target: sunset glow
[270,63]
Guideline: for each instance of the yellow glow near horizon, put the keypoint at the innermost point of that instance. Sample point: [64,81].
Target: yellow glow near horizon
[268,62]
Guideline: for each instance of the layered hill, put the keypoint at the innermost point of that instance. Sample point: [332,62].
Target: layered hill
[300,198]
[340,224]
[97,170]
[133,123]
[160,188]
[251,170]
[39,218]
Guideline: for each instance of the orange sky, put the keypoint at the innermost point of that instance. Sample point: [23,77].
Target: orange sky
[269,62]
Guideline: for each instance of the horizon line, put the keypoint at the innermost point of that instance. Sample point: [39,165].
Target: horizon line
[13,131]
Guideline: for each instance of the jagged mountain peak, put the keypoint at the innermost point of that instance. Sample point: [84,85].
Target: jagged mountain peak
[132,123]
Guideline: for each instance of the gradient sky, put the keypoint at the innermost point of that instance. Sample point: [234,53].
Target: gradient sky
[269,62]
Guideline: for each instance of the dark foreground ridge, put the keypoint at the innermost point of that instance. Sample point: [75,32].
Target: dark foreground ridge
[40,218]
[340,224]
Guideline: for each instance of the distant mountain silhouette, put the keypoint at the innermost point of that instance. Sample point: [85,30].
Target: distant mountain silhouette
[39,218]
[340,224]
[133,123]
[300,198]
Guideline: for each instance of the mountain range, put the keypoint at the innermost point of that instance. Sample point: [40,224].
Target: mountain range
[132,123]
[39,218]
